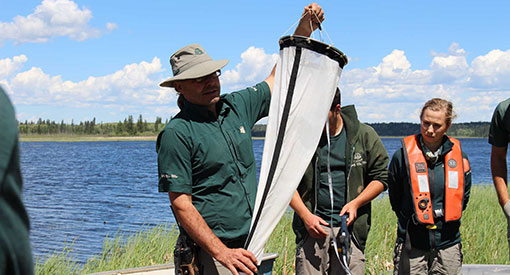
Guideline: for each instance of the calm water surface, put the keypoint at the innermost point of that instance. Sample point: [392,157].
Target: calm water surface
[77,193]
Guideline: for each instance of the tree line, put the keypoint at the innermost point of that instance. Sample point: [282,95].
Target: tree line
[140,127]
[401,129]
[128,127]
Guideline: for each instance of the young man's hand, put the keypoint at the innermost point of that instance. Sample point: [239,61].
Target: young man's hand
[314,224]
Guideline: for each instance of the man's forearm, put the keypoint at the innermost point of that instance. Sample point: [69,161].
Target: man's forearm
[499,173]
[193,223]
[312,16]
[373,189]
[299,206]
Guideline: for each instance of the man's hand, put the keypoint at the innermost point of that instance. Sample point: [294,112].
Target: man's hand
[373,189]
[506,209]
[352,211]
[313,226]
[237,259]
[200,232]
[312,222]
[311,18]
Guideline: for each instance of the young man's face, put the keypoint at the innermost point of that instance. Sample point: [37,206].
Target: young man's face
[204,91]
[333,116]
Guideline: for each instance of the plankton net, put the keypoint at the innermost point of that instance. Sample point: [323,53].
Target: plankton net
[307,75]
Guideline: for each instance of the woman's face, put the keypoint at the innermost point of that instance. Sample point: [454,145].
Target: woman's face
[433,125]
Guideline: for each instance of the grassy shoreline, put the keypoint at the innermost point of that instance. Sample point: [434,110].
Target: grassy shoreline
[483,234]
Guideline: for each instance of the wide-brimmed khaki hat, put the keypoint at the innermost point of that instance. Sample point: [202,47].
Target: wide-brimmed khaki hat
[192,62]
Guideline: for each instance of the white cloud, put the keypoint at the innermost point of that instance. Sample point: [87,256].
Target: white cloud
[393,91]
[394,66]
[254,67]
[10,66]
[491,70]
[52,18]
[135,84]
[449,67]
[389,91]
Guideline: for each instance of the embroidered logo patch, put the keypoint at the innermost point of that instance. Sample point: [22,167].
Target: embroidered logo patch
[167,176]
[452,163]
[420,167]
[358,160]
[357,157]
[241,129]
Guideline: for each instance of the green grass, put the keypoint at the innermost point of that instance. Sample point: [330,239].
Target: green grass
[483,238]
[147,247]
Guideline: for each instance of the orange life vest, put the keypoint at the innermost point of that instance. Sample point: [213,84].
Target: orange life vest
[455,166]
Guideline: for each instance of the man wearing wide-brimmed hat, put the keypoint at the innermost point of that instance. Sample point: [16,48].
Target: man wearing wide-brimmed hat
[205,157]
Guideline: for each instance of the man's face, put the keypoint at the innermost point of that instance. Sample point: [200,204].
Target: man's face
[204,91]
[433,125]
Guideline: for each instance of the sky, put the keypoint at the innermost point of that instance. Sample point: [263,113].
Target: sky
[76,60]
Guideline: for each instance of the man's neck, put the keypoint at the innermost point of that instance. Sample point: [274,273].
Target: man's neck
[336,125]
[213,108]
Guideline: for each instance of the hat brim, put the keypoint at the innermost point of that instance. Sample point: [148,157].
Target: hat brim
[197,71]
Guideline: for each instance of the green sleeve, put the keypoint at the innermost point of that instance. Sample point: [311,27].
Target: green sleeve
[174,162]
[252,102]
[15,249]
[8,134]
[377,158]
[396,177]
[498,133]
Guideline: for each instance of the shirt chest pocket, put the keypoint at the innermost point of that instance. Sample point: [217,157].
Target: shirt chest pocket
[240,143]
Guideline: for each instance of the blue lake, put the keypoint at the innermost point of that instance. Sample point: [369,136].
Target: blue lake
[77,193]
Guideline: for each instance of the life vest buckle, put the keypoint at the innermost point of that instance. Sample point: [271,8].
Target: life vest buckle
[438,213]
[431,226]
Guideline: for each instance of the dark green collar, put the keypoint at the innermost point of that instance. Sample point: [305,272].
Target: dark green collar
[351,122]
[202,113]
[445,147]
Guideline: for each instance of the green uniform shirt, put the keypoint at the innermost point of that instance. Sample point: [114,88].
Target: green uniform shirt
[337,165]
[447,233]
[212,159]
[15,250]
[499,133]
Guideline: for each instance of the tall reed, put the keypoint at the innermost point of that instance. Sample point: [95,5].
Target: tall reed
[483,234]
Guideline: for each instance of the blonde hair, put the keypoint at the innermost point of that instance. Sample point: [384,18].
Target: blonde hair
[439,104]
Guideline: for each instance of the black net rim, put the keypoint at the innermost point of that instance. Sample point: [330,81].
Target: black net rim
[314,45]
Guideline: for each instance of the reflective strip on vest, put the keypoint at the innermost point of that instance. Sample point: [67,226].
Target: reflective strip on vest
[418,178]
[454,185]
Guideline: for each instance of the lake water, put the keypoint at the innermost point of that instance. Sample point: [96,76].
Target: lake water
[77,193]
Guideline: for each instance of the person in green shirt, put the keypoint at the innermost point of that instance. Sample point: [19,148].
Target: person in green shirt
[15,249]
[358,162]
[205,155]
[499,136]
[429,184]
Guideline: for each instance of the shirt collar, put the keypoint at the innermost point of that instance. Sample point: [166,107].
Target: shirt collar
[433,157]
[202,112]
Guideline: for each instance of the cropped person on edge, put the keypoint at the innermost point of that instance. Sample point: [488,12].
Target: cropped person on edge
[499,135]
[15,249]
[205,156]
[429,184]
[358,162]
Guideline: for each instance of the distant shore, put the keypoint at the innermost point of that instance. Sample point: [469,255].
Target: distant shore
[79,138]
